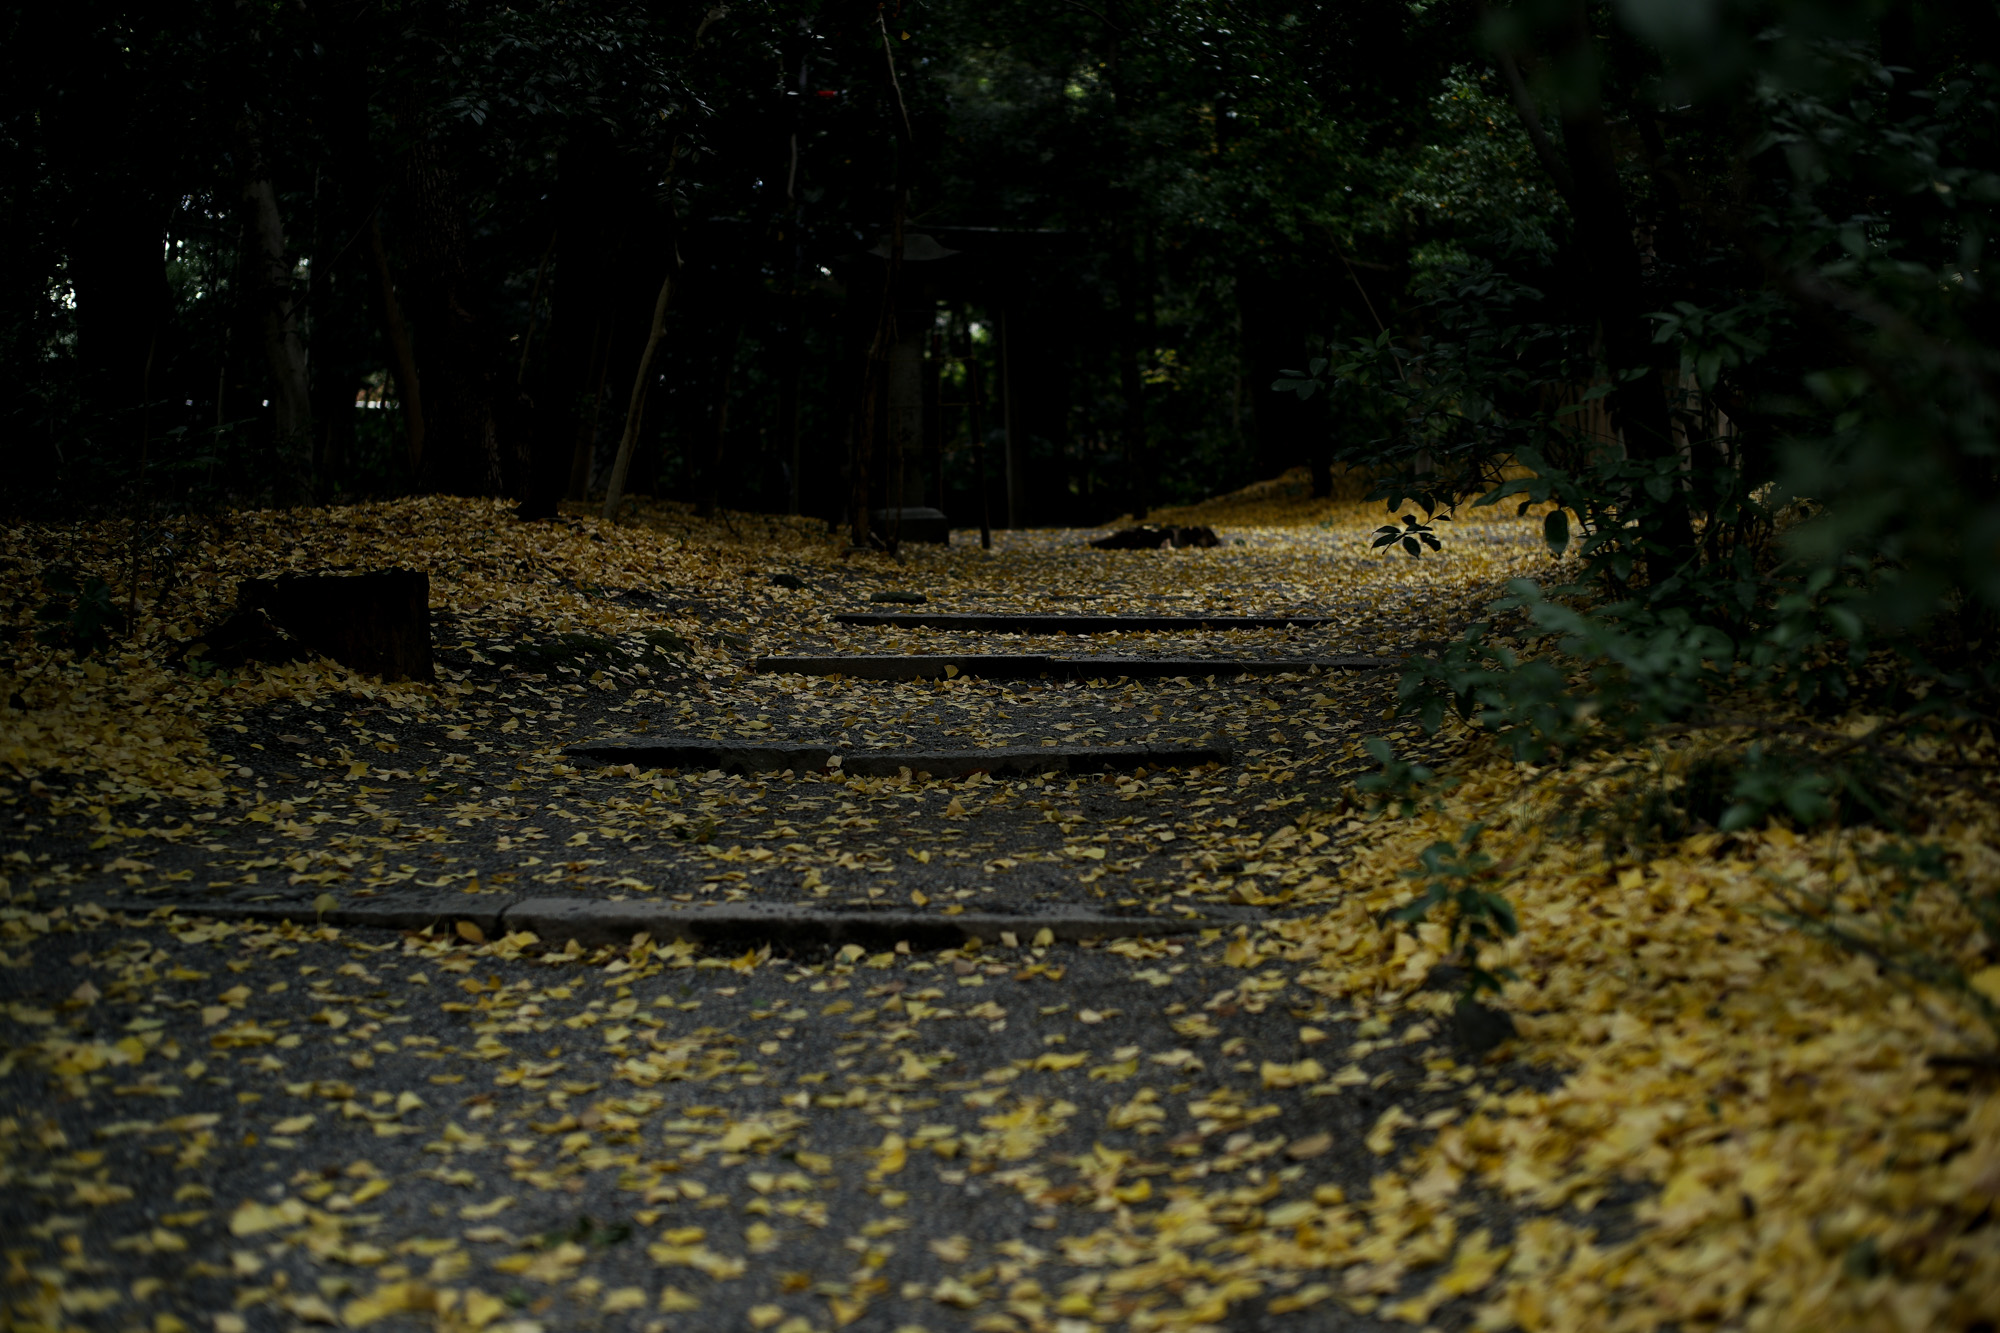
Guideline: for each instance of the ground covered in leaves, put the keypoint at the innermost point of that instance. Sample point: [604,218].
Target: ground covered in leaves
[1708,1118]
[289,781]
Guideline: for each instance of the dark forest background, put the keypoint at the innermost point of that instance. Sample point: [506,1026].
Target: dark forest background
[1712,273]
[313,249]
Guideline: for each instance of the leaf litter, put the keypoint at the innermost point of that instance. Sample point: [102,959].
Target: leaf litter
[1708,1118]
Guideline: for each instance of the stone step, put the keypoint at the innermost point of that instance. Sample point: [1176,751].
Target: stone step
[1027,623]
[598,922]
[693,752]
[1028,759]
[1029,666]
[819,756]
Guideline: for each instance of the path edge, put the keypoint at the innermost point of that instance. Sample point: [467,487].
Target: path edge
[597,922]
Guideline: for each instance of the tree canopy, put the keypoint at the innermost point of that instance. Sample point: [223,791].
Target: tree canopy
[1705,274]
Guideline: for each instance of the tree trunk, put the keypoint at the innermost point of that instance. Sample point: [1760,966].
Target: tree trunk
[791,345]
[934,491]
[904,385]
[635,409]
[1130,276]
[1273,313]
[1016,466]
[104,147]
[1588,178]
[711,479]
[1132,381]
[791,355]
[583,445]
[876,370]
[977,428]
[641,383]
[403,357]
[594,214]
[270,270]
[340,30]
[458,362]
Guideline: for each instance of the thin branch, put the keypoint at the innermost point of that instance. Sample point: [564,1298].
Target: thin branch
[534,299]
[1531,119]
[1811,288]
[709,19]
[635,409]
[1379,325]
[1099,15]
[359,232]
[889,55]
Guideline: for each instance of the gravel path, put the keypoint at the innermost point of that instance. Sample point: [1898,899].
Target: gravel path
[207,1125]
[300,1126]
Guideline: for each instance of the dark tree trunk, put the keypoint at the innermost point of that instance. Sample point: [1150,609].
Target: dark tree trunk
[591,215]
[457,354]
[1587,174]
[1132,380]
[341,28]
[105,147]
[791,345]
[403,354]
[1604,234]
[791,238]
[1275,317]
[269,268]
[725,381]
[583,446]
[1133,277]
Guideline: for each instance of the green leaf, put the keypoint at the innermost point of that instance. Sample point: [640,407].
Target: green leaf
[1555,531]
[1707,366]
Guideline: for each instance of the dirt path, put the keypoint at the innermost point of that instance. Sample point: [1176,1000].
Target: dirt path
[386,791]
[251,1126]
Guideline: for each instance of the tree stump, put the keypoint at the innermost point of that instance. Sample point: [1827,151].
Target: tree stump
[1148,537]
[378,624]
[914,525]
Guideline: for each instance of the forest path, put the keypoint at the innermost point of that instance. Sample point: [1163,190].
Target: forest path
[388,793]
[242,1125]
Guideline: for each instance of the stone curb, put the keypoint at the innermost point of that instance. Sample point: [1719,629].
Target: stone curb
[685,752]
[1027,666]
[595,922]
[1028,623]
[1028,759]
[1201,668]
[731,757]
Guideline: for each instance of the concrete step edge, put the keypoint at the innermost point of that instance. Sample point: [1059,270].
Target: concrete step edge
[597,922]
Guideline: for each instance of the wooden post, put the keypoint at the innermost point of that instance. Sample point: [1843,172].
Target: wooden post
[1014,466]
[979,450]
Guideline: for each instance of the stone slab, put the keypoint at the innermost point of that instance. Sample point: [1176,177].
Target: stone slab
[1028,666]
[989,666]
[596,922]
[819,756]
[1201,668]
[1025,759]
[444,911]
[561,919]
[690,752]
[997,623]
